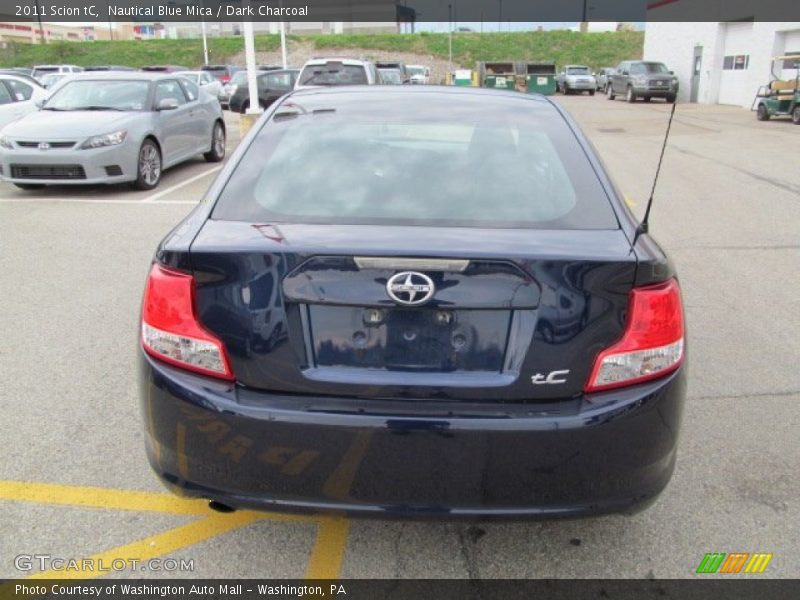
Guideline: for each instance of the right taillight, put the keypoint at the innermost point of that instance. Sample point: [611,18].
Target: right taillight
[171,330]
[652,344]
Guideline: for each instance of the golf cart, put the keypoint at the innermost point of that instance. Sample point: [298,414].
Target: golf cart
[781,98]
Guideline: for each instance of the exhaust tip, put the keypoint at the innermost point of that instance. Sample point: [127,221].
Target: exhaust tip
[220,507]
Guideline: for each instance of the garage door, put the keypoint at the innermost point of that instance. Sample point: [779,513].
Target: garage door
[791,45]
[735,87]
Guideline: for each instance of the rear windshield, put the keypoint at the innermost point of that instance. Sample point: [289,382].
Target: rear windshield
[42,70]
[578,71]
[642,68]
[428,159]
[333,74]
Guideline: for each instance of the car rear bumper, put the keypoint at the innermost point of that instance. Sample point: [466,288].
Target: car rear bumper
[114,164]
[242,448]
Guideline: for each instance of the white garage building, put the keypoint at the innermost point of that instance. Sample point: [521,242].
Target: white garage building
[721,63]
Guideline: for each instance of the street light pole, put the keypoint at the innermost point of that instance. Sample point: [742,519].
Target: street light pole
[449,41]
[205,42]
[250,62]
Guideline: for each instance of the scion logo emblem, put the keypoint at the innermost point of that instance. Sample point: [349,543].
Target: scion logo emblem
[410,288]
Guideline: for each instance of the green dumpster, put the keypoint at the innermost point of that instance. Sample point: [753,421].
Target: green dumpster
[540,76]
[498,75]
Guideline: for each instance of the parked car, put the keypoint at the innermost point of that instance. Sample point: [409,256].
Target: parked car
[221,73]
[205,80]
[392,76]
[337,71]
[229,89]
[400,67]
[40,70]
[112,128]
[602,77]
[419,74]
[271,86]
[642,79]
[108,68]
[163,68]
[18,97]
[576,78]
[48,80]
[353,225]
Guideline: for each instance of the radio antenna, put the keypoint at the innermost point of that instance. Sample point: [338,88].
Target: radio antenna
[643,226]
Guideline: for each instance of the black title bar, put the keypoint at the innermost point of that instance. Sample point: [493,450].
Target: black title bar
[397,11]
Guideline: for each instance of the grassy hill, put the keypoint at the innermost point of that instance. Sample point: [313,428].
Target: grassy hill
[562,47]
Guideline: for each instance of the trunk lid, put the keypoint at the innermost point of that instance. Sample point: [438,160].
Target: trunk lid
[305,308]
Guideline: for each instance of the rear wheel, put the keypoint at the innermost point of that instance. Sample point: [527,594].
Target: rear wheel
[148,168]
[610,92]
[796,115]
[29,186]
[629,95]
[591,92]
[217,152]
[646,98]
[762,114]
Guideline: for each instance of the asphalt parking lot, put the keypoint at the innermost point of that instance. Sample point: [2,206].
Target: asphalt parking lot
[74,481]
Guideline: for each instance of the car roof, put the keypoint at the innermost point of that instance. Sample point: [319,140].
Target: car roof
[356,62]
[122,75]
[22,78]
[333,94]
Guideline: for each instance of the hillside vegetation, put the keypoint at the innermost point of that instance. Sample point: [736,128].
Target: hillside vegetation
[562,47]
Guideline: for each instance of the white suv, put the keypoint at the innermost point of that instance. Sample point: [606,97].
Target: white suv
[337,71]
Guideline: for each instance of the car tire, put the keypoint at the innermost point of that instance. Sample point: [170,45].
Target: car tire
[796,115]
[148,166]
[762,114]
[591,92]
[30,186]
[646,98]
[630,96]
[671,99]
[217,152]
[610,93]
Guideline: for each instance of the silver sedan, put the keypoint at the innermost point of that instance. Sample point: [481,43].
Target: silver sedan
[112,128]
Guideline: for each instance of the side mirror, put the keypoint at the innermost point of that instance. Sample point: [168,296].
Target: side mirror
[167,104]
[672,72]
[39,103]
[625,73]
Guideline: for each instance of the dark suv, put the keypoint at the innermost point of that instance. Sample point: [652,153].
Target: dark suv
[271,86]
[642,79]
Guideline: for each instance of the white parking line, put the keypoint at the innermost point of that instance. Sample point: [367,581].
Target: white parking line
[172,188]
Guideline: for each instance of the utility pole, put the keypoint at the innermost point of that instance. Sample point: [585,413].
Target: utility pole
[449,41]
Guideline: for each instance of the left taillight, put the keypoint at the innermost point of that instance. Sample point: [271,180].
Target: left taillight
[171,330]
[652,344]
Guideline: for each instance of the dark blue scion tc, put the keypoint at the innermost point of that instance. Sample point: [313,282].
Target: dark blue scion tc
[413,301]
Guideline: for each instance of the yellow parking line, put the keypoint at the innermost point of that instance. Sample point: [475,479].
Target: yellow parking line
[96,497]
[160,544]
[338,484]
[328,552]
